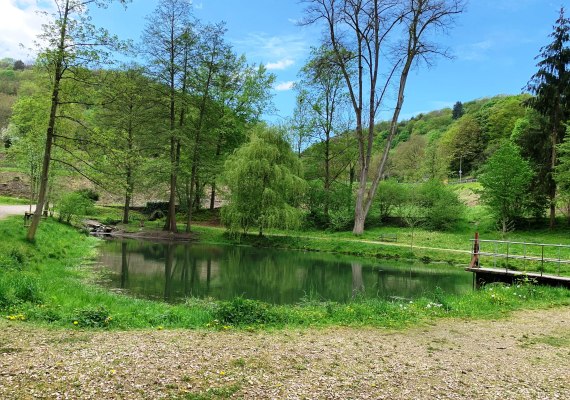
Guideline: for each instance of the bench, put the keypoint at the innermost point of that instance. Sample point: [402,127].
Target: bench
[28,218]
[388,237]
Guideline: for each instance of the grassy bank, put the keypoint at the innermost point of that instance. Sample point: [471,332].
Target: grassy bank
[426,246]
[50,282]
[10,201]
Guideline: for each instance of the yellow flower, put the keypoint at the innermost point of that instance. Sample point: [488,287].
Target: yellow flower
[75,322]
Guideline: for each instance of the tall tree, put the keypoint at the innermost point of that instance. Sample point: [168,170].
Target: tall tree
[72,43]
[360,33]
[166,47]
[211,56]
[124,122]
[323,97]
[551,87]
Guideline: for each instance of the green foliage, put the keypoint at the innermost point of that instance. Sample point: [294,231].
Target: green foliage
[92,317]
[408,157]
[390,196]
[443,209]
[89,194]
[339,201]
[240,311]
[72,205]
[264,184]
[505,182]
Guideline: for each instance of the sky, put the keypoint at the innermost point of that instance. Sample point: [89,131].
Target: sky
[494,44]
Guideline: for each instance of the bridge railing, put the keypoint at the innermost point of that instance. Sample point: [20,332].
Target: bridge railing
[532,256]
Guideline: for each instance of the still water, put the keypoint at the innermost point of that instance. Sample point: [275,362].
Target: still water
[175,271]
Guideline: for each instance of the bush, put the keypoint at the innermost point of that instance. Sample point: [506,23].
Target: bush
[341,220]
[97,317]
[390,196]
[73,205]
[242,311]
[442,207]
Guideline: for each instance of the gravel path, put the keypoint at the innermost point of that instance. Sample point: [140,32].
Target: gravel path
[524,357]
[6,211]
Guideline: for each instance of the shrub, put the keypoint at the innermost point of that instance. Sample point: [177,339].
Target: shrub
[92,317]
[73,205]
[442,207]
[390,196]
[240,311]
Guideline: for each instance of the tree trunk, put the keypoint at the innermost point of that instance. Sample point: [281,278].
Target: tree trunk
[552,194]
[213,196]
[128,195]
[44,178]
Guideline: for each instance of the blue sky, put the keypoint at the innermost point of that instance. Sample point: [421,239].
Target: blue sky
[494,43]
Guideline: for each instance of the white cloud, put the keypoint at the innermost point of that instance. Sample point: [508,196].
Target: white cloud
[264,47]
[280,65]
[20,23]
[475,51]
[284,86]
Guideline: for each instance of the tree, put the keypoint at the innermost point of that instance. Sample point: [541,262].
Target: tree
[166,41]
[264,186]
[562,172]
[212,55]
[457,110]
[360,33]
[322,99]
[19,65]
[505,180]
[72,43]
[241,94]
[551,87]
[124,122]
[408,158]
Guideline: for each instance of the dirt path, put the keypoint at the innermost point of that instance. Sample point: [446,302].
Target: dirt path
[524,357]
[6,211]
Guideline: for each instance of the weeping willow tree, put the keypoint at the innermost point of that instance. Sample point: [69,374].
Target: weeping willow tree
[263,184]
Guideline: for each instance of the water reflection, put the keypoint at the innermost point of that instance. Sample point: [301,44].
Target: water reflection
[172,272]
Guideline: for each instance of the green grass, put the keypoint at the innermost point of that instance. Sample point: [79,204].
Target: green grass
[50,282]
[9,201]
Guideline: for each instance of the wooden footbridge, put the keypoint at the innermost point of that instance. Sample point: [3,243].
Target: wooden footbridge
[521,260]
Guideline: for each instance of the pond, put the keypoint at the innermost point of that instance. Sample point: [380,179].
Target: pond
[174,271]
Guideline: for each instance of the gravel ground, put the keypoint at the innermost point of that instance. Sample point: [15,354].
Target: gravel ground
[6,211]
[524,357]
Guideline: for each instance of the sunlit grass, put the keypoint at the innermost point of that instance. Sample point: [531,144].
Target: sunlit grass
[4,200]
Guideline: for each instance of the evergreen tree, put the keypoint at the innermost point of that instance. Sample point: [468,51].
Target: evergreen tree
[457,110]
[551,87]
